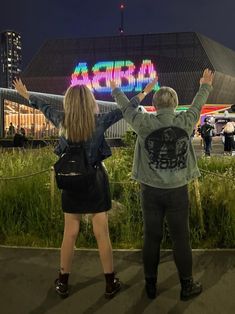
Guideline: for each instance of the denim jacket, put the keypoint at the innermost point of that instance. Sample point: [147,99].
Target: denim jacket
[97,148]
[164,156]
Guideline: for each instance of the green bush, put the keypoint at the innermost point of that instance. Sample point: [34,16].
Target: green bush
[29,216]
[26,214]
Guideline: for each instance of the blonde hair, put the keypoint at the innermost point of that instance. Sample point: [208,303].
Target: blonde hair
[229,127]
[165,97]
[79,114]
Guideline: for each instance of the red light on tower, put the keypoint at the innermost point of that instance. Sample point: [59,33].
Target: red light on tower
[121,28]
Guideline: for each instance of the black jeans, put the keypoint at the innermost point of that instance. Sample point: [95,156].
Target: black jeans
[207,145]
[174,204]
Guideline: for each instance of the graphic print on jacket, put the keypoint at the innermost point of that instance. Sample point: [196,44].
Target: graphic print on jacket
[167,148]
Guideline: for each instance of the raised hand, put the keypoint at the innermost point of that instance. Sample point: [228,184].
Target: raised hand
[150,86]
[21,88]
[207,77]
[113,84]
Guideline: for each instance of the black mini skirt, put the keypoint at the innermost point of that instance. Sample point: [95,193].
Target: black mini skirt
[95,199]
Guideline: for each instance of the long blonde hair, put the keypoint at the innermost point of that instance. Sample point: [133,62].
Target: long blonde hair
[229,127]
[79,114]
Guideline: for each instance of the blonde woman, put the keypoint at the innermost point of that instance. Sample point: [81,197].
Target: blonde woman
[228,133]
[79,122]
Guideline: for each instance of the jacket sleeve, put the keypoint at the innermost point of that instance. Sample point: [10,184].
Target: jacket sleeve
[111,117]
[50,112]
[129,109]
[193,113]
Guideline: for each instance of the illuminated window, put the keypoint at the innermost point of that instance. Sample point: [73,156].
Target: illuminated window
[33,121]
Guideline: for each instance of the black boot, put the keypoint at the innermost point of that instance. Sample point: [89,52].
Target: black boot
[150,287]
[61,285]
[113,285]
[189,289]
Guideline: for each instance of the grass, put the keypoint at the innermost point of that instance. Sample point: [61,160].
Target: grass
[29,217]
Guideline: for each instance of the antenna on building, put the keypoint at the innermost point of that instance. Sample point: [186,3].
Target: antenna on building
[121,28]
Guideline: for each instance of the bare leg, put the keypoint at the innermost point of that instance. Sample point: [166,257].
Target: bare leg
[101,232]
[71,230]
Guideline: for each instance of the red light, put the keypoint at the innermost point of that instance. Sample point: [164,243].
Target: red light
[150,108]
[122,6]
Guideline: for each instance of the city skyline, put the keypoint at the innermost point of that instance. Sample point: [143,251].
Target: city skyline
[75,19]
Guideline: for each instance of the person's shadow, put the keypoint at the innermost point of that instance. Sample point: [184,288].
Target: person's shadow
[51,300]
[214,265]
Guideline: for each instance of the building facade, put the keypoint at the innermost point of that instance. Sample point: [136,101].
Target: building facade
[178,58]
[132,60]
[10,57]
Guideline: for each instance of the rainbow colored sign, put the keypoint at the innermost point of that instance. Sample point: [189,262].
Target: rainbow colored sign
[125,73]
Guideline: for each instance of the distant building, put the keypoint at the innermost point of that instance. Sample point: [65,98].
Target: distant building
[132,60]
[10,57]
[178,58]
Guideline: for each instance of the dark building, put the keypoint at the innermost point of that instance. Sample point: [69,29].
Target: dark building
[10,57]
[178,58]
[133,60]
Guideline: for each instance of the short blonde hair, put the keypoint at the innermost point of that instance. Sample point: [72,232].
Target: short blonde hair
[79,114]
[165,97]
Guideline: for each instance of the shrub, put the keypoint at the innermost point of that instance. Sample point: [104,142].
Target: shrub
[30,216]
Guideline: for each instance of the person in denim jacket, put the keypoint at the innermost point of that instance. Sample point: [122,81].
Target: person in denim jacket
[78,122]
[164,164]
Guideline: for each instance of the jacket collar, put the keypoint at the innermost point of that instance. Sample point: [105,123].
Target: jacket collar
[166,111]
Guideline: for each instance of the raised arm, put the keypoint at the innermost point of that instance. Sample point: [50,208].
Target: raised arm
[111,117]
[193,113]
[49,111]
[130,114]
[21,88]
[148,88]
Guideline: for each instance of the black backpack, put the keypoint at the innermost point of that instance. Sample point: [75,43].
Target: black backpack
[72,170]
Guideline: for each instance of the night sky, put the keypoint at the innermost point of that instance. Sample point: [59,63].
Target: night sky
[38,21]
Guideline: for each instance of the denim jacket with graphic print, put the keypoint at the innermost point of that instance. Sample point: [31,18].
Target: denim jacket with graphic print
[164,155]
[97,148]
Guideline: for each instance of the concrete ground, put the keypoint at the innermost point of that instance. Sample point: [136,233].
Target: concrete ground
[27,277]
[217,146]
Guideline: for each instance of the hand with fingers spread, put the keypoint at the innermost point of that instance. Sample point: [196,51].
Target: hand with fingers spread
[207,77]
[21,88]
[150,86]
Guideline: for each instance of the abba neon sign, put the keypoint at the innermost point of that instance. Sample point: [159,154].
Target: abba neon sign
[125,73]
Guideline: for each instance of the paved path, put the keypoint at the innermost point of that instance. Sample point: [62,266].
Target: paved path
[27,275]
[217,146]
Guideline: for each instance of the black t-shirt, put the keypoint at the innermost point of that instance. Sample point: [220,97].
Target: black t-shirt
[207,130]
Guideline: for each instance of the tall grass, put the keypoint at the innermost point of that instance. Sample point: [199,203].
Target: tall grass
[27,216]
[218,200]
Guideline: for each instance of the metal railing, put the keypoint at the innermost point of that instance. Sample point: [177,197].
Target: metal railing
[115,131]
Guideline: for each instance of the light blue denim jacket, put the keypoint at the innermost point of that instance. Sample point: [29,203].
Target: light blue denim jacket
[97,148]
[154,163]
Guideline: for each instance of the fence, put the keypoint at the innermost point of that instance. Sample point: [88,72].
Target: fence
[53,188]
[35,124]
